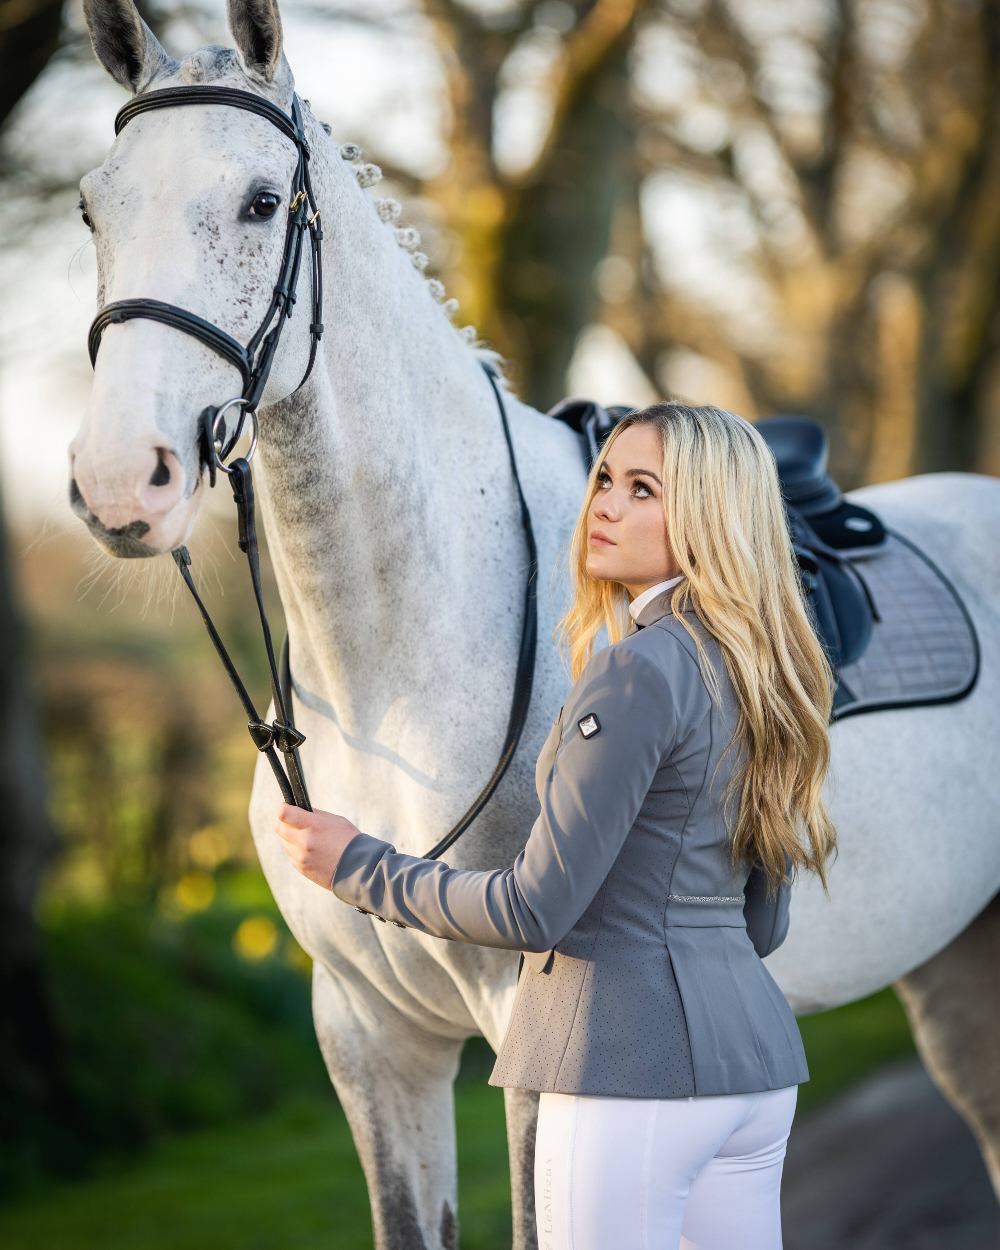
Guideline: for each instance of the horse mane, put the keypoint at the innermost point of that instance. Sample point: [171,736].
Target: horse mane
[408,238]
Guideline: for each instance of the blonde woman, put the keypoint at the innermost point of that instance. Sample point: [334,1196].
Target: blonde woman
[680,788]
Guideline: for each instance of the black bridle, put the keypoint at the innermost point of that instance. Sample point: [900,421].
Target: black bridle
[254,360]
[254,364]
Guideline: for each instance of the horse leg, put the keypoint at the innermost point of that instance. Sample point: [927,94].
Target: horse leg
[521,1109]
[953,1006]
[394,1081]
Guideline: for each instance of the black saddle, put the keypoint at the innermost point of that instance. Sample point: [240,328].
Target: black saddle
[826,530]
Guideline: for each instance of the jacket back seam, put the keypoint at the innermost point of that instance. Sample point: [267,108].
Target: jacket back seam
[687,819]
[670,883]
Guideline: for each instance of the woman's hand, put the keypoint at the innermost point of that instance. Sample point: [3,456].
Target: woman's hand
[314,841]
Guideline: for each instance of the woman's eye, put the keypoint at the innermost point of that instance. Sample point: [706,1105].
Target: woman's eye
[603,477]
[265,204]
[83,213]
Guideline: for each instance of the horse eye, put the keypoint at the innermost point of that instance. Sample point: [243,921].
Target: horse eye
[265,204]
[83,213]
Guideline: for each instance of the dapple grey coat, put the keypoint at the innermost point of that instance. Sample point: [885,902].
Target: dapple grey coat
[643,973]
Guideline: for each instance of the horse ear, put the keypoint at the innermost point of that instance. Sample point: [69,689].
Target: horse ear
[256,30]
[124,44]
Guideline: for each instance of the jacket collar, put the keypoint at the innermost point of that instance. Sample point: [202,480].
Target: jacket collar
[658,606]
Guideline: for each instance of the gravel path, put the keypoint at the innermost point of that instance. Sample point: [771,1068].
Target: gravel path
[888,1166]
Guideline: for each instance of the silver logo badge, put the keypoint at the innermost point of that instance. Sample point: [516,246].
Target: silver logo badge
[589,726]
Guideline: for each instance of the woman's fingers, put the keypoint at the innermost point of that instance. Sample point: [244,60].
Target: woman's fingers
[297,817]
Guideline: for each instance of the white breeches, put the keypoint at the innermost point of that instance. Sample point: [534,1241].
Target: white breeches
[699,1173]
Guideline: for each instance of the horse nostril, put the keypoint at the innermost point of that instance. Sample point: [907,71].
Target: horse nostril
[161,474]
[78,505]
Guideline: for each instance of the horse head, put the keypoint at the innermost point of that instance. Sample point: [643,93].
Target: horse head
[189,211]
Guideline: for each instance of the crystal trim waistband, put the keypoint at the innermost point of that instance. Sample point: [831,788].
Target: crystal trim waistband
[710,898]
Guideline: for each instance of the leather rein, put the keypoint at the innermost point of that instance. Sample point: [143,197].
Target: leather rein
[254,364]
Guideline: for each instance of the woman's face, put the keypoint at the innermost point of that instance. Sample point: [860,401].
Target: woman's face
[627,509]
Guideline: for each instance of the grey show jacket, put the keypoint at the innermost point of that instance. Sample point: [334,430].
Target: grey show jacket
[643,972]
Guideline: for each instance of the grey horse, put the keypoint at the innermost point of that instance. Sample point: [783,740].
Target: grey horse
[384,487]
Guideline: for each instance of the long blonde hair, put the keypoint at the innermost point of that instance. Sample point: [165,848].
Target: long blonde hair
[726,525]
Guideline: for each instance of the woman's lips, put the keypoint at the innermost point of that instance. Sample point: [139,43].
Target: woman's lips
[596,541]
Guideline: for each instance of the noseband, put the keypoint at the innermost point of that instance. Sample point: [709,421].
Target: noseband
[254,364]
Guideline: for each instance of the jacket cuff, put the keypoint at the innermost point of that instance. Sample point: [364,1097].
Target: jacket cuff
[354,869]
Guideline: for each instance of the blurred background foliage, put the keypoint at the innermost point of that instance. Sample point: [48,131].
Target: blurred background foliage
[777,207]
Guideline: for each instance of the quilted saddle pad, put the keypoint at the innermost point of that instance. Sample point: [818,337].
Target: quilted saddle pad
[924,649]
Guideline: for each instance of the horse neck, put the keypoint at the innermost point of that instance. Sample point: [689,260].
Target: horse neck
[382,475]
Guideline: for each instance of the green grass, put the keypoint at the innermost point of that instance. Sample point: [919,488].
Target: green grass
[288,1180]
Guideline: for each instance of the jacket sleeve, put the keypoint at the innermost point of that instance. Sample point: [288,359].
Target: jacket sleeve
[589,802]
[767,918]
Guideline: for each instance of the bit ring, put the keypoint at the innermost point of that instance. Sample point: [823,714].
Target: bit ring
[217,442]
